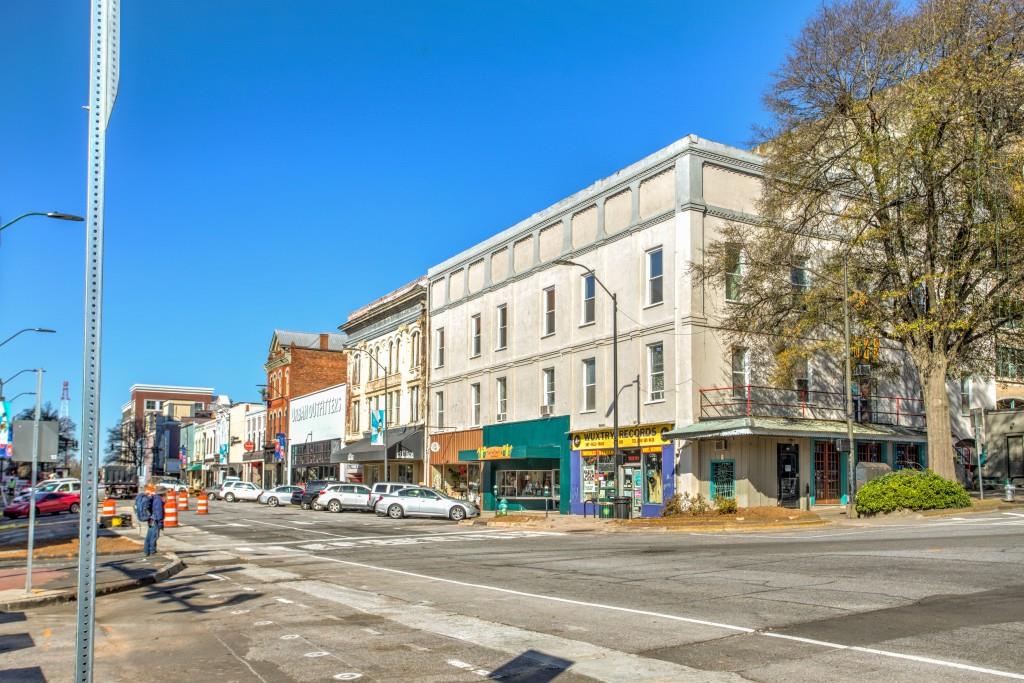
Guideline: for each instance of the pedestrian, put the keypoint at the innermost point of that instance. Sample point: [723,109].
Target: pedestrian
[144,508]
[156,521]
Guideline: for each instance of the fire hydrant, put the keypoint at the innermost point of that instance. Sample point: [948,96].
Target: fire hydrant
[1008,492]
[502,508]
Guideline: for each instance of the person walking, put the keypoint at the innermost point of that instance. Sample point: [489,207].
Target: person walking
[144,509]
[156,522]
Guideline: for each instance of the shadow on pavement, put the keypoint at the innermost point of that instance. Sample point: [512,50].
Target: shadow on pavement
[15,641]
[182,596]
[11,617]
[32,674]
[531,667]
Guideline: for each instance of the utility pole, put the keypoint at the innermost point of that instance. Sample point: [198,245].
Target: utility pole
[105,23]
[851,466]
[34,485]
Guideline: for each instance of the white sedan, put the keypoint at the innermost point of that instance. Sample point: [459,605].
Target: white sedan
[282,495]
[239,490]
[421,501]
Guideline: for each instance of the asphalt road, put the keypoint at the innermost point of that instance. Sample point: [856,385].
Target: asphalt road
[283,594]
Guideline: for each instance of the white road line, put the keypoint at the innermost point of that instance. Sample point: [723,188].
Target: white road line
[294,528]
[689,620]
[249,546]
[1013,514]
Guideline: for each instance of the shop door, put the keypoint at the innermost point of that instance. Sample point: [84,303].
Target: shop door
[1015,456]
[789,475]
[826,473]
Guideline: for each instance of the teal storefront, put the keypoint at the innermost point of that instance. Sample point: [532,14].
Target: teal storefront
[526,463]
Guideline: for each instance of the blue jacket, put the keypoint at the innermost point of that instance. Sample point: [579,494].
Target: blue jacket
[158,509]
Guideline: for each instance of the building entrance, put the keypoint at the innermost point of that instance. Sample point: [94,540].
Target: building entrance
[789,475]
[826,473]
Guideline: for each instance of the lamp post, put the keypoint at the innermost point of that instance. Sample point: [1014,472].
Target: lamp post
[32,489]
[615,360]
[27,329]
[370,356]
[24,393]
[4,382]
[58,215]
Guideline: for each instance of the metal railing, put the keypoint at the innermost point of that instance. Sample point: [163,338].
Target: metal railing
[751,400]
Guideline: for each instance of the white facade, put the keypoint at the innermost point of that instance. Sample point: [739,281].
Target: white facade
[256,427]
[319,415]
[237,419]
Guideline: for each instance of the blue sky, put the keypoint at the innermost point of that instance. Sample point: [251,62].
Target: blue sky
[276,165]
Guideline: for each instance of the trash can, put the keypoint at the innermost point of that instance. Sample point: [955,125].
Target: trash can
[622,507]
[607,510]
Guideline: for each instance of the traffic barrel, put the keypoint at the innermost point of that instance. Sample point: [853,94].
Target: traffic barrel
[170,511]
[183,500]
[109,507]
[202,504]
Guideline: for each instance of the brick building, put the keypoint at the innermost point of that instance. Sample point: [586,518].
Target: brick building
[297,363]
[139,418]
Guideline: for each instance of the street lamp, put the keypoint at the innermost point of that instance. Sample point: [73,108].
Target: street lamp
[379,365]
[58,215]
[28,329]
[615,358]
[24,393]
[20,372]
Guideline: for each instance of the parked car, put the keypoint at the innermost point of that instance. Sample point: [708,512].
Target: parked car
[340,497]
[383,488]
[66,485]
[419,501]
[312,491]
[281,495]
[297,496]
[239,490]
[47,503]
[170,483]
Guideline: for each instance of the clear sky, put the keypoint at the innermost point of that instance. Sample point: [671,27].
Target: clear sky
[278,164]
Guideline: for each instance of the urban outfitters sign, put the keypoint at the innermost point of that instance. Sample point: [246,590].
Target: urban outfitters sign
[318,416]
[629,437]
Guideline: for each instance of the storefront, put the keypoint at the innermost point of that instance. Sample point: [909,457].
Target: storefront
[644,473]
[525,463]
[404,458]
[447,474]
[312,460]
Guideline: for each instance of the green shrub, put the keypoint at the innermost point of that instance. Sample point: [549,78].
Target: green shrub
[910,490]
[726,506]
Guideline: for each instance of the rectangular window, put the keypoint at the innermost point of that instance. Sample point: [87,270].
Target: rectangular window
[802,381]
[589,292]
[502,394]
[965,396]
[549,311]
[150,404]
[549,386]
[354,419]
[502,327]
[199,406]
[474,400]
[1009,363]
[799,282]
[474,331]
[440,347]
[439,408]
[733,275]
[589,385]
[414,404]
[655,277]
[739,373]
[656,371]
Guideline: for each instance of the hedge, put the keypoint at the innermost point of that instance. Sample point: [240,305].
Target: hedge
[910,490]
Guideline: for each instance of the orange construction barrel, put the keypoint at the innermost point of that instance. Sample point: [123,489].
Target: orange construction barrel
[109,507]
[170,510]
[183,500]
[202,504]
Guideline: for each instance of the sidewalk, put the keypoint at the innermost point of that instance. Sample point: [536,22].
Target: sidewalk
[57,581]
[744,521]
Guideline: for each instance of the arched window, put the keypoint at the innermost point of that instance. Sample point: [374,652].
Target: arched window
[415,349]
[391,357]
[398,354]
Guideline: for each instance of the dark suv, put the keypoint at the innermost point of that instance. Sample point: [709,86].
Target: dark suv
[313,489]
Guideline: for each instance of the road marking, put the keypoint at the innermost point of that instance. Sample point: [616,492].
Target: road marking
[250,546]
[285,601]
[292,528]
[316,654]
[1013,514]
[235,655]
[674,617]
[216,576]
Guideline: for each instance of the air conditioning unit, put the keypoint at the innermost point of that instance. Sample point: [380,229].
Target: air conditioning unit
[546,410]
[501,417]
[721,445]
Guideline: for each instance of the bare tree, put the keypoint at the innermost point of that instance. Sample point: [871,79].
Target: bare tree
[895,147]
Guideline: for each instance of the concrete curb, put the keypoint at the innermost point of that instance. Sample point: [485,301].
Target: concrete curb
[69,594]
[611,528]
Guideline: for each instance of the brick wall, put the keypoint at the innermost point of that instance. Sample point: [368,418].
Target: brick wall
[308,371]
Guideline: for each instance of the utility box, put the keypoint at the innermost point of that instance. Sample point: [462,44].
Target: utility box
[866,471]
[48,430]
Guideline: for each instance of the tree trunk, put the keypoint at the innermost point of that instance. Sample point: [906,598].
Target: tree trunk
[936,408]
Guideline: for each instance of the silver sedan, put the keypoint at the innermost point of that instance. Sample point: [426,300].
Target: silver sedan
[420,501]
[282,495]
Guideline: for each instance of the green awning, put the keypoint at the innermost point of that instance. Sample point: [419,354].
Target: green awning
[195,467]
[517,453]
[791,427]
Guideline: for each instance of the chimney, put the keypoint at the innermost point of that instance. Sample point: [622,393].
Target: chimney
[323,341]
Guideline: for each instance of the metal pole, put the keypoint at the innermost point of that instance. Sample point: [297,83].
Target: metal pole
[385,422]
[851,508]
[33,485]
[979,416]
[615,383]
[105,23]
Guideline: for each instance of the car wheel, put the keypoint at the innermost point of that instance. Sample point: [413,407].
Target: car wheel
[395,511]
[334,506]
[73,508]
[457,513]
[305,505]
[229,497]
[273,502]
[318,507]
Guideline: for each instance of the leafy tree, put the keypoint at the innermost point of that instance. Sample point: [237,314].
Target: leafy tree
[895,145]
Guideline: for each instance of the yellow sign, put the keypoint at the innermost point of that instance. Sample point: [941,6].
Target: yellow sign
[495,452]
[629,437]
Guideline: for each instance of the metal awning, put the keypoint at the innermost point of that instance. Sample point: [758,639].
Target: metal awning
[404,444]
[788,427]
[195,467]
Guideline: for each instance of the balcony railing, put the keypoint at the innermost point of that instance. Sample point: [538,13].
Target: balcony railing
[751,400]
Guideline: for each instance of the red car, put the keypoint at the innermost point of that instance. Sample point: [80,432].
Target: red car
[46,504]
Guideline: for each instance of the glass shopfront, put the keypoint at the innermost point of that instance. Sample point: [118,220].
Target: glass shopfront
[528,484]
[462,481]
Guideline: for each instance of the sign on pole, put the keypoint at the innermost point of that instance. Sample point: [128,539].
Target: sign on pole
[104,23]
[377,427]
